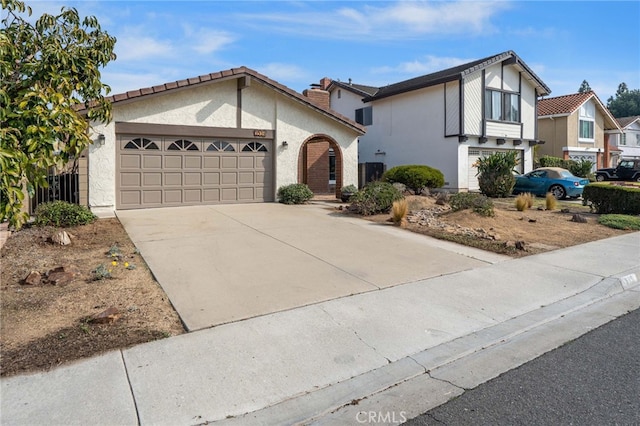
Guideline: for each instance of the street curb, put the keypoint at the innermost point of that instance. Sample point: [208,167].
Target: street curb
[340,402]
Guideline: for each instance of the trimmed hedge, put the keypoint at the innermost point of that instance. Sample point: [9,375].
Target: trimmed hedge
[296,193]
[375,197]
[580,168]
[612,198]
[415,177]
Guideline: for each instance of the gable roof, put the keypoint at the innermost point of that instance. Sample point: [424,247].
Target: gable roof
[358,89]
[625,122]
[568,104]
[234,73]
[456,73]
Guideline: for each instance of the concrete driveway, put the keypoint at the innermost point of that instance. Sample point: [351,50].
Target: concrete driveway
[225,263]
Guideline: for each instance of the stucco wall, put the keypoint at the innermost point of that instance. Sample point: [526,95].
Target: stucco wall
[347,103]
[215,105]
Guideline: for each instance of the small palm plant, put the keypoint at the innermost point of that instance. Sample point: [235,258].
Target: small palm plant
[495,173]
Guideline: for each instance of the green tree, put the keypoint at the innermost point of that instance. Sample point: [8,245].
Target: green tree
[584,87]
[50,71]
[626,103]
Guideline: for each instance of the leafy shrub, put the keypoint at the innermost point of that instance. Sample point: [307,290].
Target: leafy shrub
[620,221]
[610,198]
[469,200]
[415,177]
[399,211]
[296,193]
[524,201]
[550,201]
[495,173]
[375,197]
[347,191]
[62,213]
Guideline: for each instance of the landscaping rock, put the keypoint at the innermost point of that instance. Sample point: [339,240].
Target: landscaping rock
[61,238]
[34,278]
[62,275]
[520,245]
[578,218]
[107,316]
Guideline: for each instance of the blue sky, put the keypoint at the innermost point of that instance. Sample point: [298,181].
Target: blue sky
[372,42]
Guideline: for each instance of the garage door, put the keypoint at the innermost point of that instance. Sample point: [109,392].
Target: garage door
[475,154]
[157,171]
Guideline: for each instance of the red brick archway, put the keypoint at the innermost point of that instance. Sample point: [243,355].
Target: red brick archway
[314,165]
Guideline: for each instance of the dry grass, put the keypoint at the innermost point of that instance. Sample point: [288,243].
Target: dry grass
[550,202]
[524,201]
[399,212]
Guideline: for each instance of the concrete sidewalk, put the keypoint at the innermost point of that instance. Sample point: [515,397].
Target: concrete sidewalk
[326,363]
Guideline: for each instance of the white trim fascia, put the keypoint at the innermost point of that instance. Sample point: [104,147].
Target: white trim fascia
[553,115]
[581,149]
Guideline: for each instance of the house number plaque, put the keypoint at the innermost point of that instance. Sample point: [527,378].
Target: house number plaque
[260,133]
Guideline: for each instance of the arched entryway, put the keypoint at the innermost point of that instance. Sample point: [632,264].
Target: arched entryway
[320,165]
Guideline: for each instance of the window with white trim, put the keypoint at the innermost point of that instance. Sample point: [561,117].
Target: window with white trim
[586,122]
[623,139]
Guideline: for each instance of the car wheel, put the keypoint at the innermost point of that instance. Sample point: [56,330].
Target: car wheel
[600,178]
[558,192]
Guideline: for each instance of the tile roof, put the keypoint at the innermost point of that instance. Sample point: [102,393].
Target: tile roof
[568,104]
[455,73]
[626,121]
[234,73]
[563,105]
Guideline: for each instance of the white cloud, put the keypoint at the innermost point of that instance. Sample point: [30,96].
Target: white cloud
[418,67]
[134,45]
[207,41]
[399,20]
[281,72]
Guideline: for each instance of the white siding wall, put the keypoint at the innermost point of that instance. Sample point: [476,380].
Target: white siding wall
[347,104]
[528,110]
[503,130]
[493,76]
[473,90]
[409,128]
[215,105]
[511,79]
[453,107]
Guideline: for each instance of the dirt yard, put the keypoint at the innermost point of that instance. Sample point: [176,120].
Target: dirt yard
[49,322]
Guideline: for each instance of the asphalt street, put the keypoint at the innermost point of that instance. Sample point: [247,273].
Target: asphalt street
[593,380]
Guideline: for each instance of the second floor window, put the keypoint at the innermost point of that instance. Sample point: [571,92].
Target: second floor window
[586,129]
[502,106]
[364,116]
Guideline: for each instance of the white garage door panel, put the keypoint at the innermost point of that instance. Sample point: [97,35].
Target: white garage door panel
[173,171]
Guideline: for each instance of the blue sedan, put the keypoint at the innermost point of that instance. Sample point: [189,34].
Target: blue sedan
[559,182]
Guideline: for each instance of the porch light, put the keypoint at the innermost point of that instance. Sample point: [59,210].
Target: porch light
[285,144]
[101,139]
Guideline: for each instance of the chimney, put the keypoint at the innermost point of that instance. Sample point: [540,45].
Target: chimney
[318,93]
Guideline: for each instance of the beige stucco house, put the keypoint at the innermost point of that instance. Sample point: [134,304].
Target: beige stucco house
[576,126]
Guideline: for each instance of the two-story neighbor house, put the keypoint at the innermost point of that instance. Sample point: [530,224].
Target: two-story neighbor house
[627,142]
[576,126]
[447,119]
